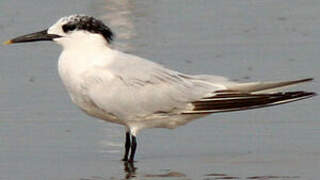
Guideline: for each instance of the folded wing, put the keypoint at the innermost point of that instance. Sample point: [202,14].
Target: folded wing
[248,96]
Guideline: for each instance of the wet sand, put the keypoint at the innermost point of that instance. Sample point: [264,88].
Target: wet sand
[44,136]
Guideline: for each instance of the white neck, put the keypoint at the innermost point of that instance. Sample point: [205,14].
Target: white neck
[82,51]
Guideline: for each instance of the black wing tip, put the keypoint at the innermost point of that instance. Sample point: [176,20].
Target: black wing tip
[251,102]
[311,94]
[303,95]
[305,80]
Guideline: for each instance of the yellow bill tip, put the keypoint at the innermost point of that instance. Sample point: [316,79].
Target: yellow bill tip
[7,42]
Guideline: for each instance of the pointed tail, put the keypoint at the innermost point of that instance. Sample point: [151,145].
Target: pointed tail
[259,87]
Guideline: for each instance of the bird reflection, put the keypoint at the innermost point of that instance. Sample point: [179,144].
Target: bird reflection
[129,169]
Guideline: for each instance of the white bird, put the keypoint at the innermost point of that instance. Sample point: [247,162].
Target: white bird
[136,93]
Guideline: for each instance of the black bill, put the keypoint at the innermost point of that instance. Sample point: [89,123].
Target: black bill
[37,36]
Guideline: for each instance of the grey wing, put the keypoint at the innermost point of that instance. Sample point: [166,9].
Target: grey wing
[140,88]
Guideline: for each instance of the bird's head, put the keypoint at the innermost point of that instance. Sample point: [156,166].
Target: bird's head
[70,31]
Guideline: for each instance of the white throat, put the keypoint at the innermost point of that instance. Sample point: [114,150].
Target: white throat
[82,52]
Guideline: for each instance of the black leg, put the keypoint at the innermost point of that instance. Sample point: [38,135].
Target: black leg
[127,147]
[133,148]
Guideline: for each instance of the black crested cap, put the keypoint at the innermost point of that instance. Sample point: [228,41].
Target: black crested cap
[88,23]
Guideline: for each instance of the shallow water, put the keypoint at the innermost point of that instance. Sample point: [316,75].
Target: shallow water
[44,136]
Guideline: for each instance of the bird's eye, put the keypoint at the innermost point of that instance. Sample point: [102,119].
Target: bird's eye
[68,27]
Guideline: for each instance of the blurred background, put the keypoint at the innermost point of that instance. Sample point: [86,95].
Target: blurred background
[44,136]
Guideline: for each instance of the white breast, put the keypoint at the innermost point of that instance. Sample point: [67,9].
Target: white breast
[77,72]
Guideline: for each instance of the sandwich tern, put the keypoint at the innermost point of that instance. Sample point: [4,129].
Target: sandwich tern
[137,93]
